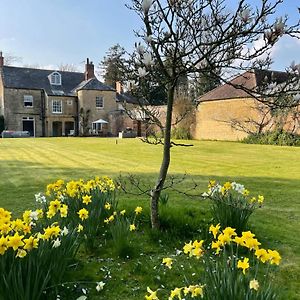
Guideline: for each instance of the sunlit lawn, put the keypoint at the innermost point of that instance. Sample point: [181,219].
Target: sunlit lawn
[27,165]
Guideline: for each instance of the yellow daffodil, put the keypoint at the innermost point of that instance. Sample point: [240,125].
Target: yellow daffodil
[79,228]
[262,254]
[86,199]
[21,253]
[64,211]
[51,232]
[3,244]
[107,206]
[122,212]
[152,295]
[15,241]
[31,243]
[132,227]
[175,293]
[214,229]
[187,248]
[243,264]
[138,210]
[274,257]
[260,199]
[254,285]
[83,214]
[168,262]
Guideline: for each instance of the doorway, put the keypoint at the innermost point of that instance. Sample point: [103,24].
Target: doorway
[28,125]
[57,128]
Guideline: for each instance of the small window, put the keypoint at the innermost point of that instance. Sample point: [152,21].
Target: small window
[56,106]
[28,101]
[99,102]
[70,102]
[55,78]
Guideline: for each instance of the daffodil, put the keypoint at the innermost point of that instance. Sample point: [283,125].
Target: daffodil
[122,212]
[15,241]
[86,199]
[214,229]
[254,285]
[21,253]
[175,293]
[243,264]
[83,214]
[152,295]
[168,262]
[79,228]
[31,243]
[132,227]
[138,210]
[107,206]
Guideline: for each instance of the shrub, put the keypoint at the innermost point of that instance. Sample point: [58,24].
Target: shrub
[180,133]
[230,267]
[276,137]
[232,204]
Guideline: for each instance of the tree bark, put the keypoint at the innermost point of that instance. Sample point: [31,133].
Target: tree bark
[155,194]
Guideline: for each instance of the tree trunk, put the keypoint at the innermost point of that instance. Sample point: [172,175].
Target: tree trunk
[155,194]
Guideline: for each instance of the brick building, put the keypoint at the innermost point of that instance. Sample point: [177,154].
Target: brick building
[228,104]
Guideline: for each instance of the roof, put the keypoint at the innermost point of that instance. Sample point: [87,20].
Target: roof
[127,98]
[93,84]
[28,78]
[249,80]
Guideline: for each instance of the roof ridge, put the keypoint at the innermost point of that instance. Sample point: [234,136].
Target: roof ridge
[40,69]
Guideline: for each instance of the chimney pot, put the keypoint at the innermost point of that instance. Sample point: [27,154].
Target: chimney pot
[1,59]
[89,70]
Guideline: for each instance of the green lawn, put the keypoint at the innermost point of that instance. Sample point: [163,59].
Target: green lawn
[27,165]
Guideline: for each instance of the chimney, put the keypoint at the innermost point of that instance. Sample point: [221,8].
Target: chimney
[119,88]
[1,59]
[89,70]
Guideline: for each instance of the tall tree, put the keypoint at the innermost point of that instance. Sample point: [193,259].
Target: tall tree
[113,65]
[195,37]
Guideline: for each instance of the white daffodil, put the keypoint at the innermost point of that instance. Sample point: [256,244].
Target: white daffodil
[146,4]
[34,215]
[142,72]
[56,243]
[147,60]
[65,231]
[100,286]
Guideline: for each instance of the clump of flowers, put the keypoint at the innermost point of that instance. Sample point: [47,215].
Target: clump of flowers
[232,266]
[121,225]
[232,204]
[36,250]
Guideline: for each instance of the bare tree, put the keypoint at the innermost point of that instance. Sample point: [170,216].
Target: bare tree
[11,59]
[67,67]
[184,38]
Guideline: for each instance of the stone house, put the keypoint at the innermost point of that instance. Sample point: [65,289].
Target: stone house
[60,103]
[230,113]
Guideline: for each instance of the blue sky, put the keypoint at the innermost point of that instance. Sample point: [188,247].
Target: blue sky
[51,32]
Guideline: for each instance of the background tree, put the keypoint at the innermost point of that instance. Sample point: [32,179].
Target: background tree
[84,121]
[113,65]
[196,37]
[67,67]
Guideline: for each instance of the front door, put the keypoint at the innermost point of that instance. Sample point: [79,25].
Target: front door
[28,125]
[57,129]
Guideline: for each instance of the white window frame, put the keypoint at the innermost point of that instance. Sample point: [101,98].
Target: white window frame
[55,78]
[100,102]
[55,105]
[28,99]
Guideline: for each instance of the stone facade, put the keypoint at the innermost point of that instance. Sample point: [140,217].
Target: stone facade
[55,103]
[213,118]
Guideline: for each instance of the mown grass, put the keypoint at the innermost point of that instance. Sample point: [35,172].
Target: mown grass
[27,165]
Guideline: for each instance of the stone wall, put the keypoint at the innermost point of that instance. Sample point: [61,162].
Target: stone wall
[213,118]
[15,111]
[87,100]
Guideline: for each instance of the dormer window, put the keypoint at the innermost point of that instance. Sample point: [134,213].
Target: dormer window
[55,78]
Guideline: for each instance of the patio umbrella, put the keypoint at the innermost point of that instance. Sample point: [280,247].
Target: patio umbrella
[101,122]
